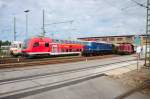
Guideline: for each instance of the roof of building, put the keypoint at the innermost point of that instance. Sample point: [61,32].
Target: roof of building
[112,36]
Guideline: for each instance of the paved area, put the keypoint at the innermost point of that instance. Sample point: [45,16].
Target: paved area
[125,69]
[21,83]
[98,88]
[27,71]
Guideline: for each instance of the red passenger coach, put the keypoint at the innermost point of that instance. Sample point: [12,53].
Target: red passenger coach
[46,46]
[58,49]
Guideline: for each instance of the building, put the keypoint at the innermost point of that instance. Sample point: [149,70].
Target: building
[117,39]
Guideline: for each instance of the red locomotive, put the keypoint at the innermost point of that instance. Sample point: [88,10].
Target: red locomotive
[46,46]
[125,48]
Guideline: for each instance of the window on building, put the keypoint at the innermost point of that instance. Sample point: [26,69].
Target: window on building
[36,44]
[104,39]
[111,39]
[144,38]
[46,44]
[119,39]
[129,38]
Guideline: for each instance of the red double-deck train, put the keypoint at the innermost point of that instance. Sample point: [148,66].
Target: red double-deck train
[47,46]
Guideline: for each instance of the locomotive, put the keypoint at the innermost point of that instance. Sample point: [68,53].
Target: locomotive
[15,48]
[97,48]
[41,46]
[125,48]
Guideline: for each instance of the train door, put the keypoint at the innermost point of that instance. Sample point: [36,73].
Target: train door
[47,47]
[54,48]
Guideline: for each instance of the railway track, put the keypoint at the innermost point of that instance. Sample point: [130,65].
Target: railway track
[57,78]
[21,59]
[33,62]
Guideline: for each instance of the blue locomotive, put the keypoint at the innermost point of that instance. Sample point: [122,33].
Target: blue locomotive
[97,48]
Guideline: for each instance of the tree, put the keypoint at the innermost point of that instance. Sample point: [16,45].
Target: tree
[0,43]
[4,43]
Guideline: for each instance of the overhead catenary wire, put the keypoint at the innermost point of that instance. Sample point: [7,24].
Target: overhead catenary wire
[140,4]
[122,9]
[61,22]
[70,21]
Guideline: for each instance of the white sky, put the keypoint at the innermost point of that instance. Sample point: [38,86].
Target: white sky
[91,18]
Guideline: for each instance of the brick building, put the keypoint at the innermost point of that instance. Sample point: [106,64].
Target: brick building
[116,39]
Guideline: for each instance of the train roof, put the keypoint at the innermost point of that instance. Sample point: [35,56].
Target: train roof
[69,41]
[97,42]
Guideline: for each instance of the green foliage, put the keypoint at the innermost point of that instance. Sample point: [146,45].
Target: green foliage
[3,43]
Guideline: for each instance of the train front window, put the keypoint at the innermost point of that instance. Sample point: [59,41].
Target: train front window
[36,44]
[25,43]
[19,45]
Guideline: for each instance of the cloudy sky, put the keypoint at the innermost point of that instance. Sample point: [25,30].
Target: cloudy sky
[90,18]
